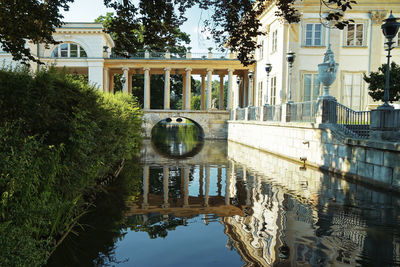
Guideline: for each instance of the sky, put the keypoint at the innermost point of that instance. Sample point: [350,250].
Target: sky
[89,10]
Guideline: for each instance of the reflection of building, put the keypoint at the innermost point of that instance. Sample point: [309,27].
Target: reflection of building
[178,201]
[307,218]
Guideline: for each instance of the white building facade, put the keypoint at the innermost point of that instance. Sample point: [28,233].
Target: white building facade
[358,48]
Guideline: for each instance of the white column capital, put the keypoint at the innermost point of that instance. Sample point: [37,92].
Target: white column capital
[167,69]
[146,69]
[188,69]
[125,69]
[210,70]
[231,70]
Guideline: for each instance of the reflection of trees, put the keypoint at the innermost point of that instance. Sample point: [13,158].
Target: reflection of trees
[176,139]
[103,226]
[175,187]
[155,225]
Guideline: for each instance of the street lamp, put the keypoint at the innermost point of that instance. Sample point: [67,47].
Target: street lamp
[268,68]
[290,56]
[389,29]
[251,75]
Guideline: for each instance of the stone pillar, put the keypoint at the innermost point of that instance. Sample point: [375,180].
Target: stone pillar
[227,188]
[111,88]
[186,188]
[130,83]
[245,85]
[188,88]
[203,92]
[125,84]
[146,88]
[230,89]
[236,94]
[207,186]
[184,91]
[385,125]
[209,87]
[106,83]
[165,186]
[250,93]
[146,174]
[167,88]
[221,92]
[95,72]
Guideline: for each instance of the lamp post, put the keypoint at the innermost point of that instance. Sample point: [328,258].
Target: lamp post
[389,29]
[268,68]
[290,56]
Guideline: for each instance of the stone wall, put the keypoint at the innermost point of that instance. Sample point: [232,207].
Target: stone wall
[372,162]
[213,122]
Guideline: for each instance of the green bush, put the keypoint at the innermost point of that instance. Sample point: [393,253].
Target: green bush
[58,138]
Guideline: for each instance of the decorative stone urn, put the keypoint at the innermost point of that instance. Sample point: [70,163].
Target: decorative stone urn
[327,71]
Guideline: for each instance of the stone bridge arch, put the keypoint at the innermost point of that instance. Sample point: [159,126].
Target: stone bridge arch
[213,122]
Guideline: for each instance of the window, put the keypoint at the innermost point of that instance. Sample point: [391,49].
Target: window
[274,41]
[352,90]
[313,34]
[311,86]
[69,50]
[273,91]
[355,34]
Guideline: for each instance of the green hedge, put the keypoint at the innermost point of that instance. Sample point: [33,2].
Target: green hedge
[58,138]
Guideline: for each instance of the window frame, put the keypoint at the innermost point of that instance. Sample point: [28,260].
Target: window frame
[273,95]
[305,30]
[314,77]
[364,33]
[59,51]
[343,89]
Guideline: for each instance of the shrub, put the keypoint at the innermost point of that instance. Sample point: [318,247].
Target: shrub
[58,138]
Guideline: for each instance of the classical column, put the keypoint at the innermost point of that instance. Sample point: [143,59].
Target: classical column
[188,87]
[111,88]
[125,77]
[167,88]
[228,184]
[130,83]
[165,186]
[207,186]
[106,83]
[209,87]
[146,173]
[235,93]
[245,89]
[146,88]
[184,91]
[230,89]
[186,188]
[221,92]
[250,93]
[203,92]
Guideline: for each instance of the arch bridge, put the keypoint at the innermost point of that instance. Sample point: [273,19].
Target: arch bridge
[212,122]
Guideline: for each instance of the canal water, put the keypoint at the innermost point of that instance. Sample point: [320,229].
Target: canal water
[189,202]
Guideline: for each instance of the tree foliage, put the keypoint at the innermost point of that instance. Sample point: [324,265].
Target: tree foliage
[376,82]
[153,23]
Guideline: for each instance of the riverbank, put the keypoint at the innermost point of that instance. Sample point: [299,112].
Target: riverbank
[59,138]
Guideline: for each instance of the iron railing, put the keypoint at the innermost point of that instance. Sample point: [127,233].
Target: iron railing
[273,113]
[303,111]
[354,123]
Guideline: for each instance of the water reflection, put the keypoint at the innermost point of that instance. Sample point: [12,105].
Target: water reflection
[249,209]
[177,137]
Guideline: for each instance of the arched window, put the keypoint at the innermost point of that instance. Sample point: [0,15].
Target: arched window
[69,50]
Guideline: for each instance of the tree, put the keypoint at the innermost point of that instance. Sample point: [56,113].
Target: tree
[233,22]
[376,82]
